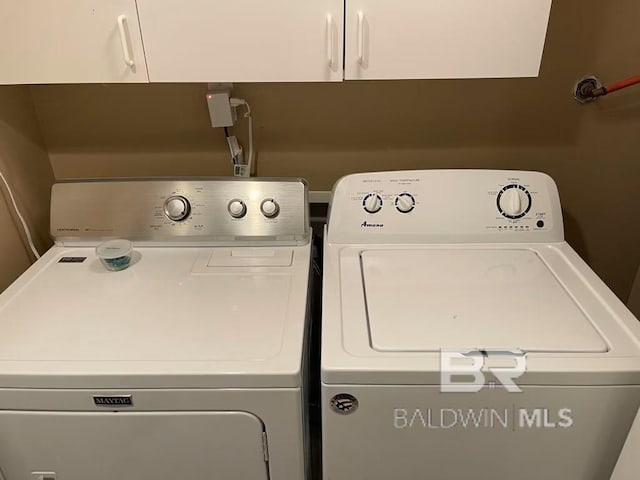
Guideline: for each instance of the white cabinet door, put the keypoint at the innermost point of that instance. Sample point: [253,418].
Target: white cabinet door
[242,40]
[70,41]
[444,38]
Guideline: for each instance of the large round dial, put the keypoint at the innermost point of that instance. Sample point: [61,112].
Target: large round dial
[177,208]
[514,201]
[372,203]
[270,208]
[405,202]
[237,208]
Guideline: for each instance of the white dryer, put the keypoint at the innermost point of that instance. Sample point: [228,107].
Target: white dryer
[462,337]
[190,364]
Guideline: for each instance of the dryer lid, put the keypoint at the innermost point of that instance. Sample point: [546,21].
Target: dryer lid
[175,318]
[421,300]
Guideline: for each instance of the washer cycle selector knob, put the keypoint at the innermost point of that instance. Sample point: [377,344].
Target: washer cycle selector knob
[270,208]
[405,202]
[372,203]
[237,208]
[514,201]
[177,208]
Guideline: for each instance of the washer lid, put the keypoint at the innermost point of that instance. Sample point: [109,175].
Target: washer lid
[431,299]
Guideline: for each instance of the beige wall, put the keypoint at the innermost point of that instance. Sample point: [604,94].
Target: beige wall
[25,164]
[323,131]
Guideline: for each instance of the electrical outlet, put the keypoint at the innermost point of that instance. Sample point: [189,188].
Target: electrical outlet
[220,111]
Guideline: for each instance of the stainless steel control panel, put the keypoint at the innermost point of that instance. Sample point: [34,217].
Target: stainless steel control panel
[200,211]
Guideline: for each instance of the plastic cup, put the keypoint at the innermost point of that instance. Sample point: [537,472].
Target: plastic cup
[115,255]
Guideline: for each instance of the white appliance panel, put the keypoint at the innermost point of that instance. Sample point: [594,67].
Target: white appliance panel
[156,310]
[428,300]
[279,409]
[132,446]
[628,466]
[414,432]
[445,206]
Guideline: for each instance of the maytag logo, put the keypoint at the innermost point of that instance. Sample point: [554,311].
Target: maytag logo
[366,224]
[113,401]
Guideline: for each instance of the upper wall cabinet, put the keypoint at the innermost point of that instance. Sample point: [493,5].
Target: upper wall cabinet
[242,40]
[444,38]
[70,41]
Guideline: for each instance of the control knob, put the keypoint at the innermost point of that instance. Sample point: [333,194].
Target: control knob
[514,201]
[372,203]
[177,208]
[405,202]
[237,208]
[270,208]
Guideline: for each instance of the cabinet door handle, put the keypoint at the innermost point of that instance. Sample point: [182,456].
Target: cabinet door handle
[330,45]
[360,37]
[124,42]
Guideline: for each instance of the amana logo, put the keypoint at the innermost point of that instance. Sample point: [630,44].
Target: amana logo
[344,404]
[113,401]
[366,224]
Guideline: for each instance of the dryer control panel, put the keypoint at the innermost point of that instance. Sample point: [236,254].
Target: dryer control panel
[445,206]
[201,211]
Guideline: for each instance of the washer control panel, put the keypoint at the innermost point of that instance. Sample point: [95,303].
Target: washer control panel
[209,211]
[446,206]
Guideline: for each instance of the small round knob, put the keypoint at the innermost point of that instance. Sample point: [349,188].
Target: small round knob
[177,208]
[372,203]
[270,208]
[514,201]
[405,202]
[237,208]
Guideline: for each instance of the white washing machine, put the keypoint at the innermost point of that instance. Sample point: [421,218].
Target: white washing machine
[462,337]
[628,466]
[190,364]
